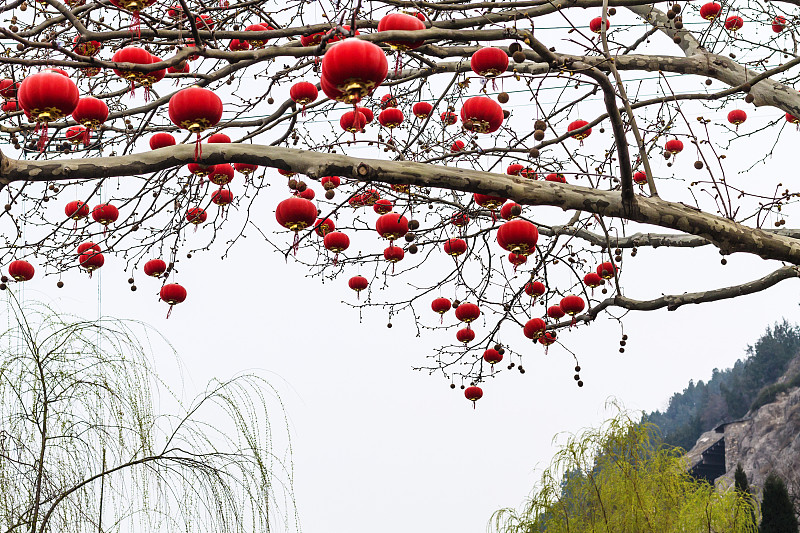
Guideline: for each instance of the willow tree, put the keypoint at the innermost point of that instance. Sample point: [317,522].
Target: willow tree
[629,108]
[618,478]
[83,448]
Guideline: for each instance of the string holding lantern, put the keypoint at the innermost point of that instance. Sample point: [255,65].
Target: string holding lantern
[572,305]
[576,125]
[303,93]
[441,306]
[155,268]
[173,294]
[336,242]
[21,270]
[473,394]
[352,69]
[46,97]
[296,214]
[358,284]
[195,109]
[422,110]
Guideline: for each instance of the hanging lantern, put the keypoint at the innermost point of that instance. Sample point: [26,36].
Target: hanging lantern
[353,121]
[196,216]
[734,23]
[87,246]
[576,125]
[336,242]
[555,312]
[218,138]
[387,101]
[76,210]
[370,196]
[736,117]
[534,328]
[441,306]
[47,97]
[330,182]
[531,175]
[596,24]
[204,22]
[195,109]
[481,115]
[492,356]
[256,43]
[367,112]
[161,140]
[91,260]
[779,24]
[401,22]
[392,226]
[404,189]
[518,236]
[10,106]
[572,305]
[710,11]
[137,56]
[135,7]
[391,117]
[510,210]
[517,260]
[155,268]
[105,214]
[21,270]
[489,202]
[674,146]
[382,206]
[548,338]
[8,88]
[150,78]
[535,288]
[238,46]
[355,201]
[465,335]
[459,220]
[791,119]
[489,62]
[323,227]
[222,197]
[308,194]
[303,93]
[448,118]
[393,254]
[514,170]
[640,178]
[457,146]
[468,313]
[358,284]
[557,177]
[354,68]
[592,280]
[199,170]
[245,168]
[90,112]
[296,214]
[173,294]
[473,394]
[606,270]
[455,247]
[287,173]
[77,135]
[221,175]
[422,109]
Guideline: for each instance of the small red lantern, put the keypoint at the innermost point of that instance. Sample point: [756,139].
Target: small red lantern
[674,146]
[592,280]
[135,7]
[382,206]
[200,170]
[557,177]
[21,270]
[367,112]
[596,24]
[10,106]
[531,175]
[353,68]
[88,245]
[8,88]
[710,11]
[401,22]
[173,294]
[492,356]
[91,260]
[422,109]
[355,201]
[468,313]
[514,170]
[222,174]
[473,394]
[287,173]
[90,112]
[105,214]
[76,210]
[779,24]
[734,23]
[391,117]
[303,93]
[517,260]
[455,247]
[576,125]
[441,306]
[336,242]
[392,226]
[640,178]
[245,168]
[387,101]
[736,117]
[204,22]
[323,227]
[489,62]
[257,43]
[548,338]
[555,312]
[353,121]
[518,236]
[459,220]
[534,328]
[449,118]
[481,115]
[791,119]
[358,284]
[239,46]
[215,138]
[535,288]
[572,305]
[308,194]
[606,270]
[489,202]
[465,335]
[155,268]
[195,109]
[196,216]
[457,146]
[507,211]
[393,254]
[222,197]
[161,140]
[77,135]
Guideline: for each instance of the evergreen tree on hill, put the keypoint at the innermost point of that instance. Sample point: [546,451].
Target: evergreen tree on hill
[777,512]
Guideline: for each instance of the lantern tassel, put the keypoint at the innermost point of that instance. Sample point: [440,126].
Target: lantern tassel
[169,312]
[198,150]
[136,25]
[336,259]
[397,63]
[573,322]
[296,243]
[43,139]
[90,274]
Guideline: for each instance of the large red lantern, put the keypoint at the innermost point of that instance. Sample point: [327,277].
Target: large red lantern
[572,305]
[596,24]
[391,117]
[256,43]
[455,247]
[517,260]
[296,214]
[473,394]
[239,46]
[514,169]
[369,116]
[10,106]
[161,140]
[392,226]
[465,335]
[401,22]
[21,270]
[393,254]
[534,328]
[354,68]
[173,294]
[353,121]
[195,109]
[481,115]
[468,313]
[507,212]
[76,210]
[336,242]
[196,216]
[90,112]
[489,202]
[576,125]
[734,23]
[489,62]
[358,284]
[303,93]
[137,56]
[422,109]
[222,174]
[441,306]
[736,117]
[710,11]
[47,97]
[155,268]
[518,236]
[382,206]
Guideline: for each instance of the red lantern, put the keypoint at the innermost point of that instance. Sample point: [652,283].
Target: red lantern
[778,24]
[531,175]
[336,242]
[556,177]
[323,227]
[457,146]
[514,170]
[606,270]
[358,284]
[449,118]
[791,119]
[155,267]
[204,22]
[8,88]
[468,313]
[517,260]
[135,7]
[548,338]
[555,312]
[222,174]
[21,270]
[592,280]
[257,43]
[91,260]
[459,220]
[489,202]
[354,68]
[370,196]
[465,335]
[161,140]
[353,121]
[572,305]
[368,115]
[481,115]
[576,125]
[535,288]
[674,146]
[506,212]
[489,62]
[77,135]
[47,97]
[391,117]
[401,22]
[393,254]
[441,306]
[534,328]
[90,112]
[492,356]
[518,236]
[196,216]
[640,178]
[195,109]
[245,168]
[200,170]
[422,109]
[473,394]
[455,247]
[392,226]
[173,294]
[10,106]
[734,23]
[382,206]
[105,214]
[222,197]
[137,56]
[239,46]
[316,38]
[736,117]
[355,201]
[308,194]
[387,101]
[710,11]
[303,93]
[287,173]
[76,210]
[596,23]
[219,138]
[296,214]
[86,246]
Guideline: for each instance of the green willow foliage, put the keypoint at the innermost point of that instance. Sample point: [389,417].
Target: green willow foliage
[615,479]
[82,448]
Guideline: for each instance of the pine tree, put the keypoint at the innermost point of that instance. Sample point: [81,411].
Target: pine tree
[743,488]
[777,512]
